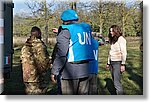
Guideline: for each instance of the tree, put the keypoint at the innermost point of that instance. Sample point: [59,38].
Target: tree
[41,11]
[99,14]
[127,12]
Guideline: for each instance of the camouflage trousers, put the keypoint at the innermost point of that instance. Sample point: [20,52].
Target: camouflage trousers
[34,88]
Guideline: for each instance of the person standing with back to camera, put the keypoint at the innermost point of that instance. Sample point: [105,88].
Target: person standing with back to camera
[74,50]
[35,63]
[117,56]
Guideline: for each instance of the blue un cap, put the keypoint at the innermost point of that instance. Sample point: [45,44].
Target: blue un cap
[69,15]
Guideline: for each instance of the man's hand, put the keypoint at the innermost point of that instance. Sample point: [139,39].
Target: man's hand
[1,80]
[107,67]
[122,69]
[53,78]
[55,30]
[51,66]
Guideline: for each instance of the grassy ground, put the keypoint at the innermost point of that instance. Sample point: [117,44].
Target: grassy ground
[132,79]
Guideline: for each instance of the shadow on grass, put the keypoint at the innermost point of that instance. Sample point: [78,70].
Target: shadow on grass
[110,86]
[101,90]
[14,85]
[132,71]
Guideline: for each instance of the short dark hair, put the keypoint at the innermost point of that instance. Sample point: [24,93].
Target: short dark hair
[34,29]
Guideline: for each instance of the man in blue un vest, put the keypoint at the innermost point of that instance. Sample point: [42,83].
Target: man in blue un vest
[74,51]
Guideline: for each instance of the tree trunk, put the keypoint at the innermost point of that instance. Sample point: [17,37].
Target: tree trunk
[46,23]
[73,6]
[100,28]
[123,26]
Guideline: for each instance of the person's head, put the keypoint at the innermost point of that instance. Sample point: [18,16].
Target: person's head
[36,32]
[68,16]
[114,33]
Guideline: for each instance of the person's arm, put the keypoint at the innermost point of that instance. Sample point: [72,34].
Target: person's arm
[55,30]
[53,54]
[63,39]
[122,43]
[108,62]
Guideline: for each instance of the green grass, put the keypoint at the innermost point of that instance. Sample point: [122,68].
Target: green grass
[132,79]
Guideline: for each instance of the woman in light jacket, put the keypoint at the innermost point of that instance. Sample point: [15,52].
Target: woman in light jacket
[117,56]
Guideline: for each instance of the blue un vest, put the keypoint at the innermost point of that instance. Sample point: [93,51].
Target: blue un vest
[93,65]
[80,47]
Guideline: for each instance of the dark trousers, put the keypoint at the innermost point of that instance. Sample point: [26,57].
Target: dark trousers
[59,85]
[116,76]
[75,86]
[93,84]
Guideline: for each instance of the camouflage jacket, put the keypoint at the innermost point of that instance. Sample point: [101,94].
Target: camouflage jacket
[35,60]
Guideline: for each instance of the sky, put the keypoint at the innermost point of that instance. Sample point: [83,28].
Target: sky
[19,6]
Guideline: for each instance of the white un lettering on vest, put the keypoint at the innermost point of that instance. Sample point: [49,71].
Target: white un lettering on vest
[86,38]
[95,54]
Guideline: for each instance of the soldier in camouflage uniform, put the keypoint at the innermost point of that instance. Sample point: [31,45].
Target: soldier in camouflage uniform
[35,63]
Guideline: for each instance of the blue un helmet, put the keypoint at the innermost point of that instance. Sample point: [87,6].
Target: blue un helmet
[69,15]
